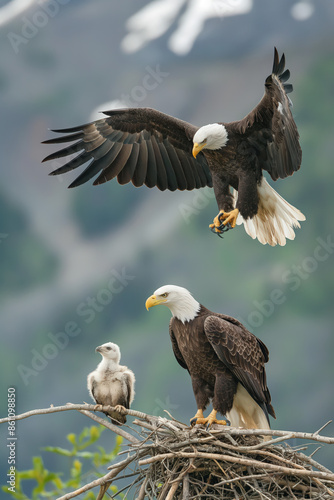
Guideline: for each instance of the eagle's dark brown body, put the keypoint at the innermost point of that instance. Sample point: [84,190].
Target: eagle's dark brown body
[219,353]
[234,166]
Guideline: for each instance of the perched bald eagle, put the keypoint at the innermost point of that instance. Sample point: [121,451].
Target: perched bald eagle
[225,361]
[112,384]
[145,146]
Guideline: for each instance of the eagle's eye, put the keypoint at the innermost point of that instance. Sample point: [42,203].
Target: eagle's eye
[164,294]
[108,348]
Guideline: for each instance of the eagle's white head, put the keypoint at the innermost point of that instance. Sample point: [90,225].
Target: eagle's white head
[181,303]
[110,351]
[212,136]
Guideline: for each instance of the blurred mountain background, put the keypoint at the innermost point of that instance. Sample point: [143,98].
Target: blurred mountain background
[77,265]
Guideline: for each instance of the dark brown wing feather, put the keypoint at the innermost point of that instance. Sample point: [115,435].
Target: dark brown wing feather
[270,128]
[243,353]
[176,350]
[139,145]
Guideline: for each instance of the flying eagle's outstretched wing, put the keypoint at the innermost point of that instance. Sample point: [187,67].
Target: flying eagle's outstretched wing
[141,145]
[243,354]
[270,128]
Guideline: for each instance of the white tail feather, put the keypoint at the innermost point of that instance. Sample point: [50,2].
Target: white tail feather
[246,413]
[275,219]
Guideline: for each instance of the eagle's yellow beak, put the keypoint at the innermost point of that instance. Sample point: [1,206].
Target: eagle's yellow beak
[197,148]
[153,301]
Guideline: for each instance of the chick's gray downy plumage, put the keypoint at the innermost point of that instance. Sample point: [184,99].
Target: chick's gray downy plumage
[111,383]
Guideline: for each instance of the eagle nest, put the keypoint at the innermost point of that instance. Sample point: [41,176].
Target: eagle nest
[168,460]
[173,461]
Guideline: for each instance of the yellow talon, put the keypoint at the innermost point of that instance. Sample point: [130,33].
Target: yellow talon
[214,228]
[199,414]
[208,421]
[199,419]
[229,217]
[216,221]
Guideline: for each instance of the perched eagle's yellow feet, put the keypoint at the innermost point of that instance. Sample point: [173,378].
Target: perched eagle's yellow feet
[208,421]
[198,415]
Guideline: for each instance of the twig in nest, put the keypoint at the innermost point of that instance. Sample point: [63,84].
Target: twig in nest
[173,460]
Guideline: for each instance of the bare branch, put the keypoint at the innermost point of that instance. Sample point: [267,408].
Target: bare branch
[160,420]
[70,406]
[142,493]
[325,425]
[93,484]
[312,462]
[272,432]
[185,491]
[172,490]
[118,430]
[243,478]
[191,462]
[100,481]
[239,460]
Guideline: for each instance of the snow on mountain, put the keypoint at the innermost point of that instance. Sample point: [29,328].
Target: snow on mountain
[13,9]
[157,17]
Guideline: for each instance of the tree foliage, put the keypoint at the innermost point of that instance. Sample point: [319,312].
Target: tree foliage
[83,466]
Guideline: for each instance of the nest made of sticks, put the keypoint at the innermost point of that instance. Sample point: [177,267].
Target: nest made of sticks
[166,459]
[173,461]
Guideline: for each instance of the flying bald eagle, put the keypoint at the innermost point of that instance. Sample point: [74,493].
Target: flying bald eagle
[225,361]
[112,384]
[145,146]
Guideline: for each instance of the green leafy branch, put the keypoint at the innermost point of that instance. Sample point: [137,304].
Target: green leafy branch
[51,484]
